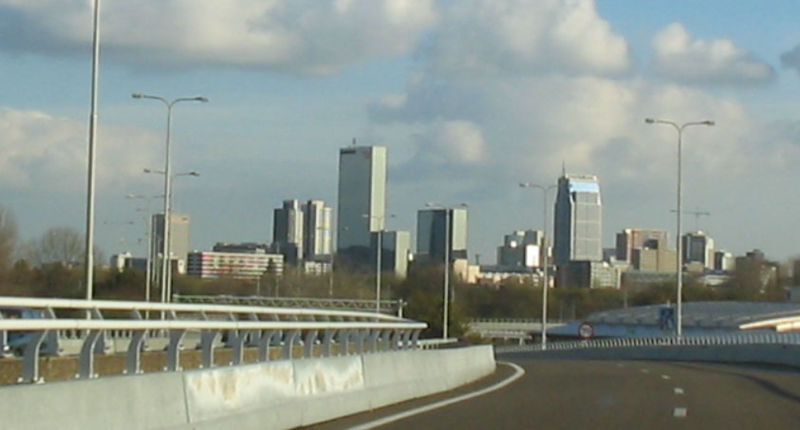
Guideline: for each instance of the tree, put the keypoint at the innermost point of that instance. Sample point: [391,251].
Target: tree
[8,238]
[61,245]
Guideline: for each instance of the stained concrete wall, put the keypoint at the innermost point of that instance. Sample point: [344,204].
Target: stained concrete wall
[278,394]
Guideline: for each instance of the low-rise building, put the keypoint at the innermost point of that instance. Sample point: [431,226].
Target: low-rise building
[237,265]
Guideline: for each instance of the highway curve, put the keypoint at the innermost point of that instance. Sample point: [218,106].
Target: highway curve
[574,394]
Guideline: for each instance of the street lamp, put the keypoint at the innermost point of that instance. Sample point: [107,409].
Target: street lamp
[679,262]
[445,306]
[545,282]
[150,250]
[379,250]
[167,177]
[90,192]
[166,290]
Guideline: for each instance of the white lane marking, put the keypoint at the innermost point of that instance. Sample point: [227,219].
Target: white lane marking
[645,370]
[664,376]
[620,365]
[518,372]
[679,413]
[678,390]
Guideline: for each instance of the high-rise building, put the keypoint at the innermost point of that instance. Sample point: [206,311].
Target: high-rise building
[578,220]
[698,247]
[638,238]
[521,249]
[362,199]
[318,233]
[431,238]
[287,231]
[178,238]
[396,246]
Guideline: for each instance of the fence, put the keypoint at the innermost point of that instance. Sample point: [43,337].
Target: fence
[256,326]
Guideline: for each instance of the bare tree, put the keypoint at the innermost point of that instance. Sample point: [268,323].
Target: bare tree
[8,238]
[57,245]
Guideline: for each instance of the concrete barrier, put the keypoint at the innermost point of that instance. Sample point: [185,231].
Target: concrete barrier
[277,394]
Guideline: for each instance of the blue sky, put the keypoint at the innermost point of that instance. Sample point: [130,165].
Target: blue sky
[471,97]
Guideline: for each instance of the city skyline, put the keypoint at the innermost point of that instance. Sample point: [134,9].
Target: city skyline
[465,118]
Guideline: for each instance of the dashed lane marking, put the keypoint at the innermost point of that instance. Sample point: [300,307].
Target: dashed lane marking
[679,413]
[678,390]
[645,370]
[665,377]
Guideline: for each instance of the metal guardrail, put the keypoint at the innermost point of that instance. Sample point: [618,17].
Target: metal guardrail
[256,326]
[634,342]
[387,306]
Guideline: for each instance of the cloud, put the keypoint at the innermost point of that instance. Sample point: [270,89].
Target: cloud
[717,62]
[486,37]
[41,151]
[791,59]
[293,36]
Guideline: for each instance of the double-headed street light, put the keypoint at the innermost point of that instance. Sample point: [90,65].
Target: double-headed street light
[679,246]
[545,282]
[167,177]
[445,306]
[166,287]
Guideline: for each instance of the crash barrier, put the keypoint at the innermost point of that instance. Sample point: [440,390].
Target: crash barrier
[277,394]
[387,306]
[739,347]
[240,326]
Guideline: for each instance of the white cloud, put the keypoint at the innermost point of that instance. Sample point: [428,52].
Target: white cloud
[41,151]
[305,36]
[791,58]
[677,56]
[522,37]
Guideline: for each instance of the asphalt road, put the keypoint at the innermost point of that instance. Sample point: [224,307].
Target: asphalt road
[561,394]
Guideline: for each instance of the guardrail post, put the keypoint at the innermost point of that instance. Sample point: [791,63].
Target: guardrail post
[288,343]
[264,342]
[30,364]
[394,340]
[415,339]
[86,369]
[361,336]
[174,347]
[344,341]
[308,343]
[327,340]
[373,340]
[134,358]
[405,342]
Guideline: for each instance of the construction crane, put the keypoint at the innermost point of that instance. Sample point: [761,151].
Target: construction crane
[697,214]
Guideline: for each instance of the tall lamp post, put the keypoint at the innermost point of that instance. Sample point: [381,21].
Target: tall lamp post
[679,246]
[445,306]
[167,184]
[92,156]
[166,285]
[546,263]
[150,250]
[379,250]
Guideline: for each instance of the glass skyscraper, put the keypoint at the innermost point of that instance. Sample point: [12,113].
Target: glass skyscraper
[362,198]
[578,220]
[431,234]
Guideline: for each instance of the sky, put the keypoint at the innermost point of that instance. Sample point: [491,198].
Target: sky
[470,97]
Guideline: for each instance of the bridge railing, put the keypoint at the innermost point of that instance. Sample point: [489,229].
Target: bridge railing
[744,338]
[388,306]
[241,326]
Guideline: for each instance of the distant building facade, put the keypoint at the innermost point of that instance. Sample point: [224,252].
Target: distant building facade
[395,250]
[433,234]
[637,238]
[522,248]
[236,265]
[698,248]
[361,207]
[178,238]
[287,231]
[317,230]
[578,220]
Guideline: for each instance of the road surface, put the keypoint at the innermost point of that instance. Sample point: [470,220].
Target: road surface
[573,394]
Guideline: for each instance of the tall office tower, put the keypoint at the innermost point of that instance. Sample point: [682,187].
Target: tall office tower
[578,220]
[698,247]
[287,231]
[521,249]
[394,254]
[431,234]
[318,235]
[178,238]
[362,199]
[638,238]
